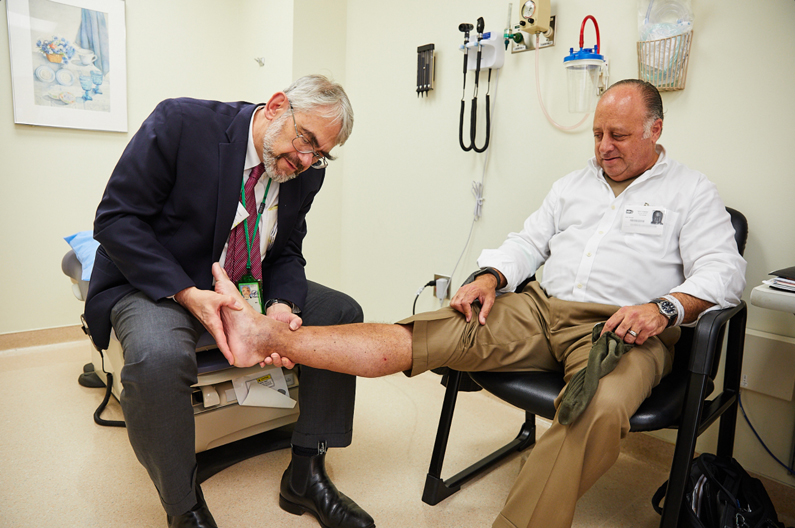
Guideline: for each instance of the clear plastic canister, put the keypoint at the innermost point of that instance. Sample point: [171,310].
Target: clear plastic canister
[583,69]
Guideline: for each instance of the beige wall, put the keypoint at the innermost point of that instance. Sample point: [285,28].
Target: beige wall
[200,49]
[320,33]
[409,182]
[408,204]
[397,205]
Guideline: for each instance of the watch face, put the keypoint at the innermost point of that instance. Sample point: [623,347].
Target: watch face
[667,308]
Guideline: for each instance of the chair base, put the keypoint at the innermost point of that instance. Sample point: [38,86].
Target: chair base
[436,489]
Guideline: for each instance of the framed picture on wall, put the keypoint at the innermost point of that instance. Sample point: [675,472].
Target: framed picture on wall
[68,63]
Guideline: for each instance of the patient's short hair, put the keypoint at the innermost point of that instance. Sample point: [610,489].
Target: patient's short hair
[317,94]
[651,97]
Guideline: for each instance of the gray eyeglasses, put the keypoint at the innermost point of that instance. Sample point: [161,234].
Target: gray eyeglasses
[303,146]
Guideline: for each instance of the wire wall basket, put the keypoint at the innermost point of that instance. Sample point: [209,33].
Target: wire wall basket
[664,62]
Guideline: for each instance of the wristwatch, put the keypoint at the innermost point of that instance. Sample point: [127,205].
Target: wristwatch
[483,271]
[668,309]
[270,302]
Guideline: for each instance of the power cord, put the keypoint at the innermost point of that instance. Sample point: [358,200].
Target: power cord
[477,191]
[477,187]
[790,470]
[109,387]
[414,307]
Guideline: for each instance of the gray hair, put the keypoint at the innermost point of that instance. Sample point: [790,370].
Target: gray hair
[316,93]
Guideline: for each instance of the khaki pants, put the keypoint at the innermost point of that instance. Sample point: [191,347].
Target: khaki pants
[530,331]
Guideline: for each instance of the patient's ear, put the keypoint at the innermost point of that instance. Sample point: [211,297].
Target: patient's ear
[656,129]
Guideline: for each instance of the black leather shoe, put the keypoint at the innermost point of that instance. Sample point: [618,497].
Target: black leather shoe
[306,488]
[198,517]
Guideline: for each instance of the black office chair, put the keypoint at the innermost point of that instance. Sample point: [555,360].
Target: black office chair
[679,401]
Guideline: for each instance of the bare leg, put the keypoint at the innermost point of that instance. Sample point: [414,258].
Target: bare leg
[365,349]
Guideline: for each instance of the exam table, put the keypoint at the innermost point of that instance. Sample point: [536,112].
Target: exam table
[220,419]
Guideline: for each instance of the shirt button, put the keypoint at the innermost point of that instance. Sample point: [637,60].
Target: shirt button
[579,286]
[588,254]
[601,232]
[613,207]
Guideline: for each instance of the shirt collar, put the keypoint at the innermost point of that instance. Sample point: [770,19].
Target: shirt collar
[252,159]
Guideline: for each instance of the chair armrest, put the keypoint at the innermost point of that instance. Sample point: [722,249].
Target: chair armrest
[708,332]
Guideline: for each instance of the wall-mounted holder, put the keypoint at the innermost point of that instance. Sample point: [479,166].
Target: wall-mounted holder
[664,62]
[425,69]
[482,50]
[492,53]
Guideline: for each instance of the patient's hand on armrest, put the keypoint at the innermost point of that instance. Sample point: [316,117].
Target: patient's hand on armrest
[252,337]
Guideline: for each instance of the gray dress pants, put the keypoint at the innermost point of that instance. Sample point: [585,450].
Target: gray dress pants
[159,341]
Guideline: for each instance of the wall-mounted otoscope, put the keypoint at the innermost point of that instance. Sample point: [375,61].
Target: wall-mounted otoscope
[481,50]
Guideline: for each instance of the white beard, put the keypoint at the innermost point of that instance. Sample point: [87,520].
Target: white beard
[269,158]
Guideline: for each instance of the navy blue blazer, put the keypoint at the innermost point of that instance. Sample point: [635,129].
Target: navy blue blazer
[169,206]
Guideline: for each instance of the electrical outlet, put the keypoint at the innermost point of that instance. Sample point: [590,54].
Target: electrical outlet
[436,277]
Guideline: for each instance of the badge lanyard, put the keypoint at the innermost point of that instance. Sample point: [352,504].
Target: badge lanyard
[249,286]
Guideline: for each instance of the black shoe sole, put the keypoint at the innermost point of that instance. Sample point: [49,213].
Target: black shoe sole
[297,509]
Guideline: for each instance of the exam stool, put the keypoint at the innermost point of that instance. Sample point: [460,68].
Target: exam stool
[220,420]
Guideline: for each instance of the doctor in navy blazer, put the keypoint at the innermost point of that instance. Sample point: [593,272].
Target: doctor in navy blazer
[164,219]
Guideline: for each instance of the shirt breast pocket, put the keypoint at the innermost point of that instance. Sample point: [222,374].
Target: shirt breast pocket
[655,245]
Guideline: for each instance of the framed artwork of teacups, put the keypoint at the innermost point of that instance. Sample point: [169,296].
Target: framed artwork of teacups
[68,63]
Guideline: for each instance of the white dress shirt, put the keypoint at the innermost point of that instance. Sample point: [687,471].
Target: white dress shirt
[268,221]
[591,252]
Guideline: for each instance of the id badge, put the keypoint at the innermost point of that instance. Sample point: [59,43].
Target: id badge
[643,219]
[250,289]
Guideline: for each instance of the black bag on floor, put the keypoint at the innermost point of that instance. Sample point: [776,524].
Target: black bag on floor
[721,494]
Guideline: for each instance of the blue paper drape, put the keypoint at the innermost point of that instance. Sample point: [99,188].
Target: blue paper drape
[93,35]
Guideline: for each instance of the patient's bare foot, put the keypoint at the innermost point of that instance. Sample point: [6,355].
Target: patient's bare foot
[250,335]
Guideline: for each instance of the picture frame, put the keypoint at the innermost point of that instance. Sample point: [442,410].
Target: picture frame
[68,63]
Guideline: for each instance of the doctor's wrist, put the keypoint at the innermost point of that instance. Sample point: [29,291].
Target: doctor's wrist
[181,297]
[281,305]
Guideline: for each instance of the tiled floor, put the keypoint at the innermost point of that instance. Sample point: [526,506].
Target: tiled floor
[60,469]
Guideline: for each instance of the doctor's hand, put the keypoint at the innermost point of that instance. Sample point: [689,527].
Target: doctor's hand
[283,313]
[206,305]
[483,289]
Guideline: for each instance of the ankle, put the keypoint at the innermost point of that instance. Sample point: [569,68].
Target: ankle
[305,451]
